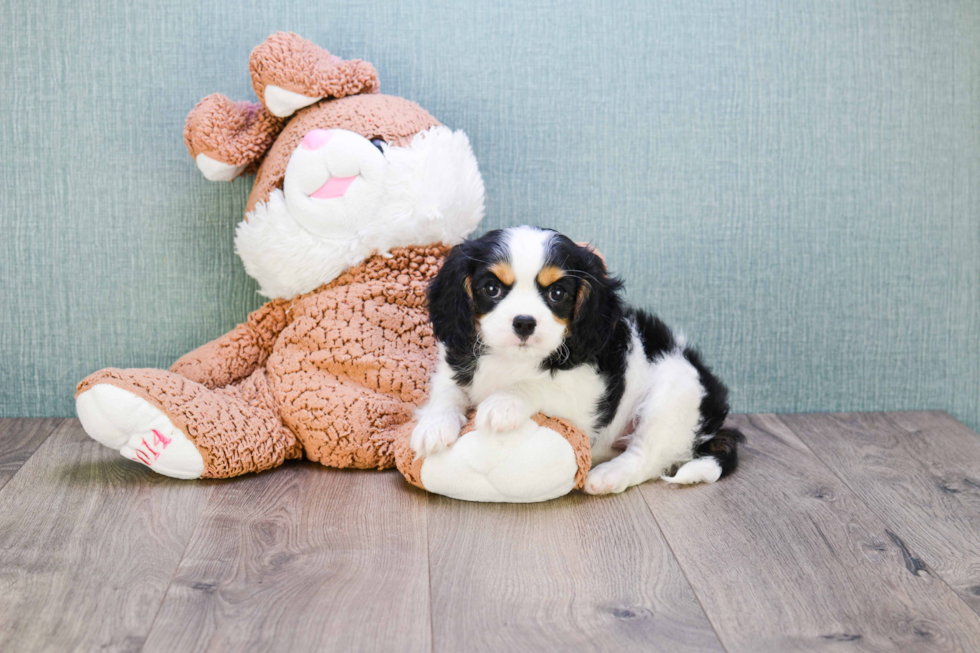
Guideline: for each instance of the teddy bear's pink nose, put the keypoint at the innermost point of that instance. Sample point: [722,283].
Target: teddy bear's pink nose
[317,138]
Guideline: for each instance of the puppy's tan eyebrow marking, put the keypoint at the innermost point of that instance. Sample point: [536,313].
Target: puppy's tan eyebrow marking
[549,274]
[468,285]
[504,272]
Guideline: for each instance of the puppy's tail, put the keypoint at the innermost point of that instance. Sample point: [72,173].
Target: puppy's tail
[713,459]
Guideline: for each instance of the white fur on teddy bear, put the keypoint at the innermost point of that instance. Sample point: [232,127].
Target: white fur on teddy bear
[428,192]
[138,430]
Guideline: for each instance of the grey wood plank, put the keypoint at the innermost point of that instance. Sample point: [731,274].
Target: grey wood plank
[920,472]
[19,439]
[88,544]
[785,557]
[303,558]
[577,574]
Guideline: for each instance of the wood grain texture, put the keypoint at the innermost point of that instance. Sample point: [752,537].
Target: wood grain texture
[303,558]
[19,439]
[838,532]
[785,557]
[88,545]
[578,573]
[919,472]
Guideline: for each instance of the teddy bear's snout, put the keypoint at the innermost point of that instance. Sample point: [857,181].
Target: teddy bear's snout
[317,138]
[335,186]
[334,182]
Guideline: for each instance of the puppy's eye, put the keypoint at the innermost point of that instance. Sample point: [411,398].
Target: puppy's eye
[557,294]
[377,142]
[492,290]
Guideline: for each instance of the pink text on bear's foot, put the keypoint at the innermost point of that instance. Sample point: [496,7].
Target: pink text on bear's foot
[147,454]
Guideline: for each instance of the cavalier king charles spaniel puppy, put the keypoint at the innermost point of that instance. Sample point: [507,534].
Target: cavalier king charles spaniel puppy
[529,321]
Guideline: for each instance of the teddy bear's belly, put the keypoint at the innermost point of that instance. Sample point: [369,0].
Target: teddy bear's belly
[354,359]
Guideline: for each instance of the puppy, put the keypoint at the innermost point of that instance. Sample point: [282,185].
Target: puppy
[529,321]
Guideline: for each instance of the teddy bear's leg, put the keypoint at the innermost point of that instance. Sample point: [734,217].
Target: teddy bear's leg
[182,429]
[228,138]
[542,459]
[341,423]
[289,73]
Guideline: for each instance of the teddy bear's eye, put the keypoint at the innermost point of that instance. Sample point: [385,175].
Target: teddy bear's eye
[378,142]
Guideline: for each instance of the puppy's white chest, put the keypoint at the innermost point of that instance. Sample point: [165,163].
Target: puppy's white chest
[494,373]
[574,395]
[570,394]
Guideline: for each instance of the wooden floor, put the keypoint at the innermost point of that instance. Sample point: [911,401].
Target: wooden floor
[856,532]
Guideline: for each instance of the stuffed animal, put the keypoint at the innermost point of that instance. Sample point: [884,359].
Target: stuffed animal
[357,198]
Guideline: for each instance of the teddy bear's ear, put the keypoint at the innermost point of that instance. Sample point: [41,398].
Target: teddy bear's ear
[228,138]
[289,73]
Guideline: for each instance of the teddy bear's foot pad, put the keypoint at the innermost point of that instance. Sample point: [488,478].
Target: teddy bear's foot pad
[532,463]
[138,430]
[282,102]
[214,170]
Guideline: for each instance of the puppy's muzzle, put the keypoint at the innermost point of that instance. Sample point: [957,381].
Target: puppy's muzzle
[524,326]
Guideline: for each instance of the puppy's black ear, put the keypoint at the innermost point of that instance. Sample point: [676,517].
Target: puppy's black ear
[597,303]
[451,300]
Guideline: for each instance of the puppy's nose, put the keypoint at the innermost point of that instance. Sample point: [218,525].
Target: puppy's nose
[524,326]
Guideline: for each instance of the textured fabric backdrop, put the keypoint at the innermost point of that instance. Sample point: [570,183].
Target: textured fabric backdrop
[795,184]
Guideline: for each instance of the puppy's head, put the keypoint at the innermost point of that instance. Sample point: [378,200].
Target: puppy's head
[523,291]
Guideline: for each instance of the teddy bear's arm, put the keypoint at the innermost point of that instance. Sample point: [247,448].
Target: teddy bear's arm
[289,73]
[229,138]
[239,352]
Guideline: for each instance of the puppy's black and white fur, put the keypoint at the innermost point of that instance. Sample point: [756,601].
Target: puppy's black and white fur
[529,321]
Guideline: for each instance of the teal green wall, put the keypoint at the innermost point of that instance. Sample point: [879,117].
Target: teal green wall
[795,184]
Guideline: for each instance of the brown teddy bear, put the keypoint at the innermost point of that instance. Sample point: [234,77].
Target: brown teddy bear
[357,198]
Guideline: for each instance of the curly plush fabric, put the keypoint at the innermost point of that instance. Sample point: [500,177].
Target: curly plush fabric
[405,460]
[338,371]
[239,352]
[295,64]
[235,428]
[241,133]
[354,361]
[236,133]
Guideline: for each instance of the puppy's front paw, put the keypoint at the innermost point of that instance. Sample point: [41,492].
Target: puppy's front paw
[609,478]
[502,411]
[436,431]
